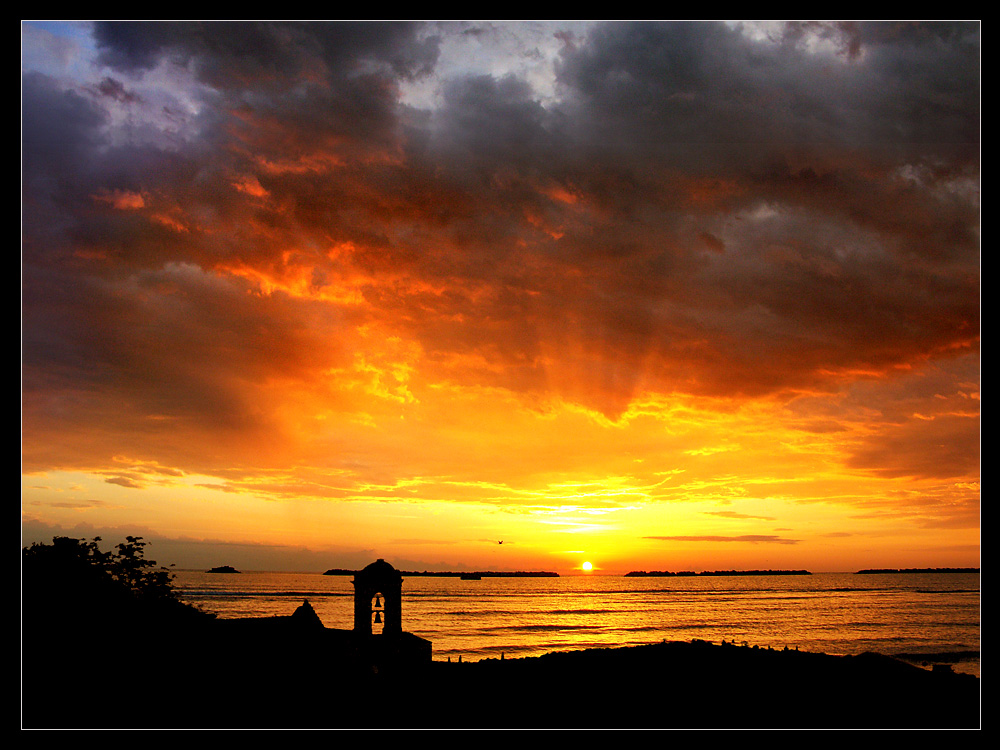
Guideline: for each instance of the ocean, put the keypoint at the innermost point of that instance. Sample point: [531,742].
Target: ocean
[924,618]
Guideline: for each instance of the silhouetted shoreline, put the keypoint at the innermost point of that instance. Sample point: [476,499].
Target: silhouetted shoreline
[107,644]
[702,685]
[691,573]
[457,573]
[217,680]
[870,571]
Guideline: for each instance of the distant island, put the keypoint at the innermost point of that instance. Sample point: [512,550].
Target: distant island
[917,570]
[224,569]
[141,623]
[466,575]
[668,574]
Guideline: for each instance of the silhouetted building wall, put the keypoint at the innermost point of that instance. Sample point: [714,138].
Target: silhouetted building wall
[384,581]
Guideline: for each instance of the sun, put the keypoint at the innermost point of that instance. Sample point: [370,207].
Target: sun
[587,566]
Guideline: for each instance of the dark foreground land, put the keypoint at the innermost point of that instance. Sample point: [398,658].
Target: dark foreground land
[701,685]
[670,685]
[106,644]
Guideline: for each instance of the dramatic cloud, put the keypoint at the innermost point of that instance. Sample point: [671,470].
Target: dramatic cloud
[353,256]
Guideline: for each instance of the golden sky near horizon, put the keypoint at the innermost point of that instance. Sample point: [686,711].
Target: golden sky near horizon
[657,296]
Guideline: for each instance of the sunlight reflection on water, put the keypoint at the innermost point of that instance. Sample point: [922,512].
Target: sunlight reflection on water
[836,613]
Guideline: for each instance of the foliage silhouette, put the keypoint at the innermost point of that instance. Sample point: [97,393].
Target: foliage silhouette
[72,581]
[113,614]
[113,618]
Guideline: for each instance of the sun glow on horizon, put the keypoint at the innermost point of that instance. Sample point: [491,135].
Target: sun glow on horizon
[362,328]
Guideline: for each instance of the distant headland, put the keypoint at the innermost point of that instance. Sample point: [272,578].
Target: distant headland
[466,574]
[917,570]
[667,573]
[387,677]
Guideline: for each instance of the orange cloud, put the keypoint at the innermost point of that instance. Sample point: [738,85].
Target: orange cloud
[642,306]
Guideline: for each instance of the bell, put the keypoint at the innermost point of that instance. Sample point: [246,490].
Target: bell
[378,616]
[378,602]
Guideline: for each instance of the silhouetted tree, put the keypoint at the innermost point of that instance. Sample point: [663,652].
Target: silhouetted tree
[74,580]
[113,614]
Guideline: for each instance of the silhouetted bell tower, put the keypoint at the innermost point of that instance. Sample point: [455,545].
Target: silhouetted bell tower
[378,595]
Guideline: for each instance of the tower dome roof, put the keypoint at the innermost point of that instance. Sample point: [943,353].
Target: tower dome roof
[379,570]
[379,566]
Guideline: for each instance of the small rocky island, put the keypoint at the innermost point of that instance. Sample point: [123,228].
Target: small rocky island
[224,569]
[293,672]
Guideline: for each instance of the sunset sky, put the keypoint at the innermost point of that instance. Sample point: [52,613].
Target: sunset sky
[677,296]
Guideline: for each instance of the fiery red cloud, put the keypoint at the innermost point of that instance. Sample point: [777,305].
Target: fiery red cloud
[249,254]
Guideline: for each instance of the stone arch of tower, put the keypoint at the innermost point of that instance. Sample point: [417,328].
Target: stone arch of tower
[381,579]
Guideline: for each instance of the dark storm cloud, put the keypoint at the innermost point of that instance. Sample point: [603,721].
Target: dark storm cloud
[116,90]
[699,211]
[123,332]
[59,130]
[489,122]
[828,269]
[700,89]
[242,53]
